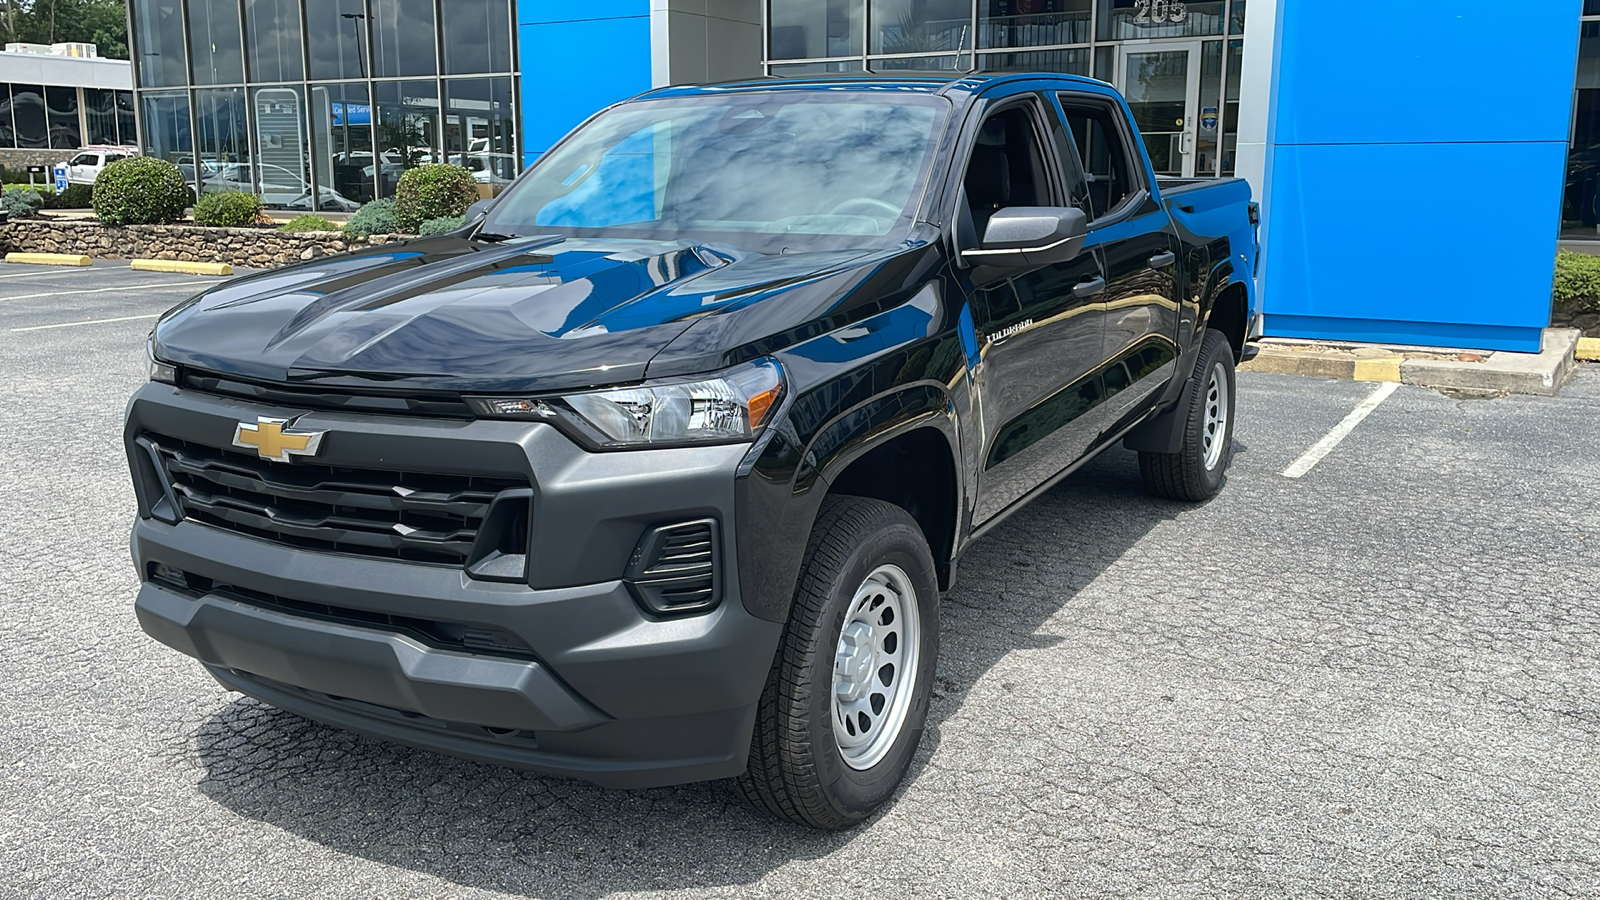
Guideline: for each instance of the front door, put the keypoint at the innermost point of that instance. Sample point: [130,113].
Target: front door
[1162,85]
[1038,327]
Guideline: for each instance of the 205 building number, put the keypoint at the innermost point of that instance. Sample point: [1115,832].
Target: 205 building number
[1159,12]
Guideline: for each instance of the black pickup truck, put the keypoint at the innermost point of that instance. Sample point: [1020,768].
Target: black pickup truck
[655,471]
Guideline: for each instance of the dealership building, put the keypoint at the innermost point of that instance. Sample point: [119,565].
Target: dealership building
[56,98]
[1372,142]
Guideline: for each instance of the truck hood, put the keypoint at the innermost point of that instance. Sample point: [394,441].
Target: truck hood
[531,315]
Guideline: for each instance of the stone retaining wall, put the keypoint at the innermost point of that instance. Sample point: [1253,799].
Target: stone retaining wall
[257,248]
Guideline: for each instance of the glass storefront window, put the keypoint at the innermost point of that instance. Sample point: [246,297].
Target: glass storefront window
[127,126]
[815,29]
[1236,17]
[792,70]
[1230,109]
[8,131]
[953,65]
[1581,201]
[479,132]
[336,32]
[100,114]
[1126,20]
[222,141]
[273,39]
[341,143]
[477,36]
[157,47]
[62,104]
[215,43]
[28,112]
[282,163]
[1073,61]
[166,129]
[1208,136]
[403,36]
[408,129]
[1034,23]
[921,26]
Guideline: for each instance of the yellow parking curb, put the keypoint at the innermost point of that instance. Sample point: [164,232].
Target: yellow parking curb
[1385,369]
[176,267]
[1589,349]
[48,259]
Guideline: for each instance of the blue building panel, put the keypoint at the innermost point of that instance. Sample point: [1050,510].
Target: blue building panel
[1413,189]
[1426,72]
[1417,245]
[575,62]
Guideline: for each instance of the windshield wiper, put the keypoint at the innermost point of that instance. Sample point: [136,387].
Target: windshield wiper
[494,238]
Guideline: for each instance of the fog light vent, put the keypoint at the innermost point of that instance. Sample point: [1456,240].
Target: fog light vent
[675,568]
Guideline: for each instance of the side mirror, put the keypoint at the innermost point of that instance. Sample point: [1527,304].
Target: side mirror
[477,212]
[1031,236]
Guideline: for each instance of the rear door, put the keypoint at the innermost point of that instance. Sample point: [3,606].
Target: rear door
[1038,328]
[1139,249]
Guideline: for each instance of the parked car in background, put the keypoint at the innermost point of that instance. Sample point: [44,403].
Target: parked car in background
[92,160]
[279,188]
[499,169]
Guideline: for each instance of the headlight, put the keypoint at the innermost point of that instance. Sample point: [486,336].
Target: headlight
[166,373]
[730,406]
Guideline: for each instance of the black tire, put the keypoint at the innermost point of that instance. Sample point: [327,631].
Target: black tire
[797,770]
[1190,474]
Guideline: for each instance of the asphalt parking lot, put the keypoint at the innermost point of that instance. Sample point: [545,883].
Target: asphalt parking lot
[1375,680]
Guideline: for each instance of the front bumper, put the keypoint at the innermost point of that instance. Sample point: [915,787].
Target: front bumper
[599,689]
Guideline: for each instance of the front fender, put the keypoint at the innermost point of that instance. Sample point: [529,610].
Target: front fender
[777,501]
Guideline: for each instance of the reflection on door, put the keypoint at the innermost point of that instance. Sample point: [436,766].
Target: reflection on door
[1161,88]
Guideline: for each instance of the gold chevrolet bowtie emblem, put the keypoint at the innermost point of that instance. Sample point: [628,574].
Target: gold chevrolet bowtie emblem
[269,439]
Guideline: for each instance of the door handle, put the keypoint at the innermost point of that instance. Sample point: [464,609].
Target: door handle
[1094,287]
[1163,260]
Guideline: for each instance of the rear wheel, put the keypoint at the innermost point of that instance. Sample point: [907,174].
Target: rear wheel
[1196,471]
[847,698]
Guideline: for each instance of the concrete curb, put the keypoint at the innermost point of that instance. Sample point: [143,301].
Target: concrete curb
[1540,374]
[1589,349]
[49,259]
[176,267]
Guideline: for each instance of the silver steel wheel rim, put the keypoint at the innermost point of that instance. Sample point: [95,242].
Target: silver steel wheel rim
[1215,439]
[875,667]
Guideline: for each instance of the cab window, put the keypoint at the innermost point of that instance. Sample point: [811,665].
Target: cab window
[1110,176]
[1008,167]
[85,159]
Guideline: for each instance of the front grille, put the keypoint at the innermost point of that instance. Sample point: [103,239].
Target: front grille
[413,516]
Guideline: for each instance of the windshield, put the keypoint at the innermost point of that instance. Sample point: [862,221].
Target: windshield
[769,171]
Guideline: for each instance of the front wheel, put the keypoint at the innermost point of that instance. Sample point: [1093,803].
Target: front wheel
[1196,471]
[847,698]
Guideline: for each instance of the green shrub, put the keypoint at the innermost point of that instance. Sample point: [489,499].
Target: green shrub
[443,225]
[1577,281]
[309,223]
[141,191]
[21,203]
[433,192]
[227,209]
[76,196]
[376,217]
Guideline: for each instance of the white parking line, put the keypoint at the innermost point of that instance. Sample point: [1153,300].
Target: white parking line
[88,322]
[1341,431]
[130,288]
[42,272]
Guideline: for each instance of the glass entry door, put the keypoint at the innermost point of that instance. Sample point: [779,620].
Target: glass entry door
[1161,82]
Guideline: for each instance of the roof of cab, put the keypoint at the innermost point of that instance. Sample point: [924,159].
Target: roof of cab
[924,83]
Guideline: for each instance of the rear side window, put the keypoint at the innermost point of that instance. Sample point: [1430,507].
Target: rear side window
[1107,164]
[115,157]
